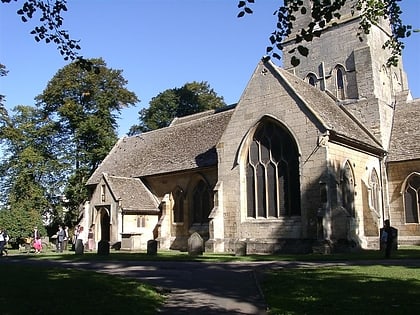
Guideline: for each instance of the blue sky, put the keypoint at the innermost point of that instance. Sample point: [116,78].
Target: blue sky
[159,45]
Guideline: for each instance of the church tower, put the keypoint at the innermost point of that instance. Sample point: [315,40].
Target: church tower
[352,71]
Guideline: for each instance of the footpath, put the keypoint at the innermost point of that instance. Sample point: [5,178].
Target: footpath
[200,287]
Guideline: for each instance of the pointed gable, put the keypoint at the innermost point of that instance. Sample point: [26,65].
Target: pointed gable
[132,193]
[187,144]
[333,117]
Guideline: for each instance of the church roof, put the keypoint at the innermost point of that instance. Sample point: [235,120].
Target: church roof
[184,145]
[132,193]
[339,122]
[405,136]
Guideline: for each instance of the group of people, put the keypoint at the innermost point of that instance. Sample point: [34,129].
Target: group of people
[83,239]
[62,239]
[80,239]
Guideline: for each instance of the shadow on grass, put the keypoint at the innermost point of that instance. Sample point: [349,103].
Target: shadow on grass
[343,290]
[34,289]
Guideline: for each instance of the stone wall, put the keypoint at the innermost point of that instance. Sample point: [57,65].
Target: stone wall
[408,233]
[265,97]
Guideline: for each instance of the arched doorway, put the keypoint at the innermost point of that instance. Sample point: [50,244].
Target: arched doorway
[103,232]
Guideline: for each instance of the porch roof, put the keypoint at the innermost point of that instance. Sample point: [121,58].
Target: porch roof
[132,193]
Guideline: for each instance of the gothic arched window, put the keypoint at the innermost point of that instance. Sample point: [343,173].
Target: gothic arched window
[178,207]
[311,79]
[374,191]
[340,82]
[272,174]
[412,199]
[347,189]
[202,203]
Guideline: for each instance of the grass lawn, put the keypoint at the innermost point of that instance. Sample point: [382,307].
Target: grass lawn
[40,290]
[343,290]
[374,289]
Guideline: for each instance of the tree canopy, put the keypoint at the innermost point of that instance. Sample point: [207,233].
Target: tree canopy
[191,98]
[52,149]
[85,105]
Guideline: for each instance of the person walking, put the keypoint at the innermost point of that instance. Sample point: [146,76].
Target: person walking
[388,237]
[36,235]
[66,238]
[80,241]
[91,240]
[3,237]
[60,239]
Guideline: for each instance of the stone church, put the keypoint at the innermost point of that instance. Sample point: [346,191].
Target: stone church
[312,156]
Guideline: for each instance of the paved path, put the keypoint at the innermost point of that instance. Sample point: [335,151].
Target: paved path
[203,288]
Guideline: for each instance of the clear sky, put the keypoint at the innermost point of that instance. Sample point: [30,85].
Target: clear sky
[159,45]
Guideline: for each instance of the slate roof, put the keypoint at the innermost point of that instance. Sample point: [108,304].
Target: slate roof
[405,136]
[341,124]
[187,144]
[133,194]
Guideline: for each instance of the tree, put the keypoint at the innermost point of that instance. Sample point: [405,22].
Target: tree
[27,172]
[19,224]
[3,72]
[324,12]
[191,98]
[85,106]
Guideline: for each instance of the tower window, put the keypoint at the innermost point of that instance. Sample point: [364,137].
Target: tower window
[311,79]
[340,82]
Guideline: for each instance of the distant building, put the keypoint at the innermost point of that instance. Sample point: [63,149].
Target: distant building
[313,156]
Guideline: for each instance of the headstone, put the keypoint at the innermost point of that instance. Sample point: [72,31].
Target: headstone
[103,247]
[240,248]
[152,247]
[79,248]
[195,244]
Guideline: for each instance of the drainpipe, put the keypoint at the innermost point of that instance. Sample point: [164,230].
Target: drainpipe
[384,181]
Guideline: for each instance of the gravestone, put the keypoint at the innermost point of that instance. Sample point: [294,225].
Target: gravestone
[152,247]
[79,248]
[103,247]
[240,248]
[195,244]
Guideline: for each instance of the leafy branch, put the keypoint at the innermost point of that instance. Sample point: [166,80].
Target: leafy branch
[323,13]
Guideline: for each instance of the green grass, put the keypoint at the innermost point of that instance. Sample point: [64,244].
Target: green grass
[375,289]
[343,290]
[404,252]
[32,289]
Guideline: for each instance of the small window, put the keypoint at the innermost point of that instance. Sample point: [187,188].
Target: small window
[103,199]
[412,199]
[141,221]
